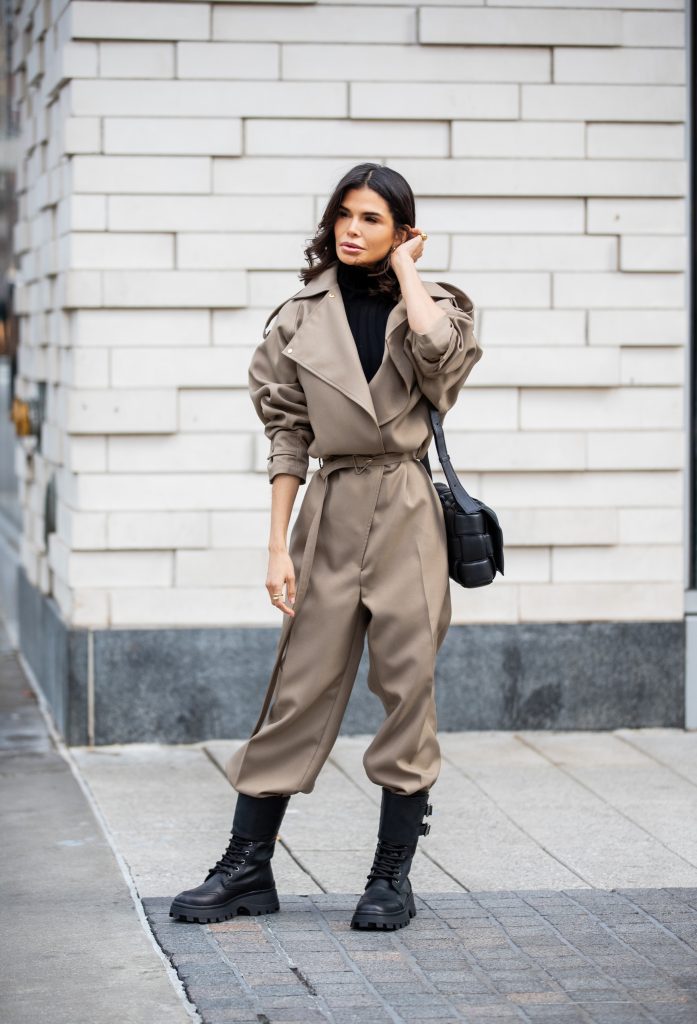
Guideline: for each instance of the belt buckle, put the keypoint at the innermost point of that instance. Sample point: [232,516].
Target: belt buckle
[364,466]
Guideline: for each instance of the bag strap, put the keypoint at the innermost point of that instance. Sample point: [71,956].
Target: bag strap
[464,500]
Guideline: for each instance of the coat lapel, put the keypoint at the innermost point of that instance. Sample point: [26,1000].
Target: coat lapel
[324,345]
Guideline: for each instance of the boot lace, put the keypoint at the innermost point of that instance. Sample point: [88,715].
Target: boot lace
[234,857]
[388,860]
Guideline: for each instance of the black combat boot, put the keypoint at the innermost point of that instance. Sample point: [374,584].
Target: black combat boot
[388,900]
[242,881]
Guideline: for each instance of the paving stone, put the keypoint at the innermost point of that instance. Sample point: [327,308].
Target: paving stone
[535,954]
[558,1015]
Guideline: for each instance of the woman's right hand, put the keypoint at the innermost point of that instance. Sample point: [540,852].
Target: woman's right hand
[281,572]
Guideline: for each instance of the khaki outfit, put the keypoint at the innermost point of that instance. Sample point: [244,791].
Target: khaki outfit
[368,545]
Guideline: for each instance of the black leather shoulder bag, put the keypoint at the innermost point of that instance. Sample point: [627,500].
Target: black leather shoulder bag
[475,538]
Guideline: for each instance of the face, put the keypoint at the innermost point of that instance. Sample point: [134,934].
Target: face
[365,222]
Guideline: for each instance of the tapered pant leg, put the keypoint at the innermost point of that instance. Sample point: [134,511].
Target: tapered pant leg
[405,585]
[324,647]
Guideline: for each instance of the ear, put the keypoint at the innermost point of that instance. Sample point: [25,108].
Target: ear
[401,236]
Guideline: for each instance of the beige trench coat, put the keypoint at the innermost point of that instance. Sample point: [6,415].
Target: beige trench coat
[309,389]
[368,546]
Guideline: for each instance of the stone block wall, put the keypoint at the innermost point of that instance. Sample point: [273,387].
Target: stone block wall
[175,157]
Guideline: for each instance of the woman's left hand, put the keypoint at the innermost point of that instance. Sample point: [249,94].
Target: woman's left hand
[411,249]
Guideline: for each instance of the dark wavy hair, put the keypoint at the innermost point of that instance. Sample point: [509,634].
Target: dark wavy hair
[397,193]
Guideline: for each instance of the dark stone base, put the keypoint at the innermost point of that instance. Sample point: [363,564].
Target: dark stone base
[57,657]
[186,685]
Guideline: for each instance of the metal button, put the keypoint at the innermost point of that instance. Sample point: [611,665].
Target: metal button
[331,295]
[289,349]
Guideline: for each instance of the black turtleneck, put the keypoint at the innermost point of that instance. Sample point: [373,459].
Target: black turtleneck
[367,314]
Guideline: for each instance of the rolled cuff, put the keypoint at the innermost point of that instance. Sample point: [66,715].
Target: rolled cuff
[288,455]
[436,342]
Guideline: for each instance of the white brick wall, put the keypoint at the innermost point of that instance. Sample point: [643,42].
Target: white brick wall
[248,61]
[116,19]
[520,27]
[175,158]
[618,66]
[216,136]
[327,23]
[377,62]
[139,59]
[637,216]
[150,98]
[642,141]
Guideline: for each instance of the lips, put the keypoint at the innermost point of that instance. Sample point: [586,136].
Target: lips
[350,245]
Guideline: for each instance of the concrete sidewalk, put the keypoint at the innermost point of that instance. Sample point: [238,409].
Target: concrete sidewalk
[558,884]
[511,810]
[74,945]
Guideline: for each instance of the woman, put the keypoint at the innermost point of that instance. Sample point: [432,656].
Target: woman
[344,376]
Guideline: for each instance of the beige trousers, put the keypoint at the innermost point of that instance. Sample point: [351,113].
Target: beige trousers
[376,566]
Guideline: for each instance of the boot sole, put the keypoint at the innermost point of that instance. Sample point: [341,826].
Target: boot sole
[250,904]
[385,921]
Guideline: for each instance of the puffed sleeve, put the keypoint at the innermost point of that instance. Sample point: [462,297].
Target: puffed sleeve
[443,357]
[279,399]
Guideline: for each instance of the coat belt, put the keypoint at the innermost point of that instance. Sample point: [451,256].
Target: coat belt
[359,463]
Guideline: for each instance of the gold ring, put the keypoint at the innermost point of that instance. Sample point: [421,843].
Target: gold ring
[275,597]
[424,237]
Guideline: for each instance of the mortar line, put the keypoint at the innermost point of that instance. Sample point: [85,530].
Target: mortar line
[478,969]
[617,938]
[391,1012]
[618,985]
[567,942]
[429,985]
[242,982]
[647,913]
[297,971]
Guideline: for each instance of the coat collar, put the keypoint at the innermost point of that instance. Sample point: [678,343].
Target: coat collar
[324,345]
[327,280]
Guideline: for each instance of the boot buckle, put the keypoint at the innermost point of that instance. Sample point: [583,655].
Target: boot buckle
[429,810]
[424,829]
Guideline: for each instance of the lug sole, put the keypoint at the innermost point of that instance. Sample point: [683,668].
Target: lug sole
[385,922]
[249,904]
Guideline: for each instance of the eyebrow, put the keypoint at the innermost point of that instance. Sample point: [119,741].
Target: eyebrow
[372,213]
